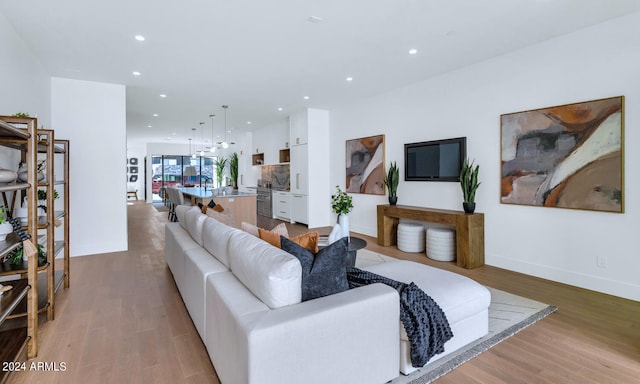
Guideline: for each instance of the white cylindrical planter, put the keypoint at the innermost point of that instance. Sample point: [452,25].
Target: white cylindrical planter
[411,237]
[441,244]
[343,221]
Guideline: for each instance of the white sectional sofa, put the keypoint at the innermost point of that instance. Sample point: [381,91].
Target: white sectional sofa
[244,297]
[252,322]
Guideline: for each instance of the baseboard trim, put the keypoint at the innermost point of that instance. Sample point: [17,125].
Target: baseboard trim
[581,280]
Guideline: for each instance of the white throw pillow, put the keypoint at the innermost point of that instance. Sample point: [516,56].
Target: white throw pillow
[195,220]
[280,229]
[271,274]
[249,228]
[215,236]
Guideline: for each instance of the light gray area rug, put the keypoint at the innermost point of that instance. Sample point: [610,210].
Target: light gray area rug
[508,315]
[160,207]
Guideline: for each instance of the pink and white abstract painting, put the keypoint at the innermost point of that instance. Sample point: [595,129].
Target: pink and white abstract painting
[568,156]
[365,165]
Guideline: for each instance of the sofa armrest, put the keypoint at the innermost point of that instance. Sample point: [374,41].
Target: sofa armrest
[328,339]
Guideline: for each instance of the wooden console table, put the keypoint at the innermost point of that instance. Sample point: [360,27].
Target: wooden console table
[469,229]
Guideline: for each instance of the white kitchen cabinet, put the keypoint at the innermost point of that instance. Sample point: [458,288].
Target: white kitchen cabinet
[300,169]
[298,131]
[309,135]
[299,208]
[246,174]
[269,140]
[282,205]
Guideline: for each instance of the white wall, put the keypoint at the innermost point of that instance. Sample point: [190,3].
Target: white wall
[93,117]
[25,85]
[558,244]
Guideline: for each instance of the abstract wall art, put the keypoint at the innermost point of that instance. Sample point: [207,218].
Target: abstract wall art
[365,165]
[568,156]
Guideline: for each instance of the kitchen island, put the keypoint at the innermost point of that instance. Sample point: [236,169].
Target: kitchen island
[241,205]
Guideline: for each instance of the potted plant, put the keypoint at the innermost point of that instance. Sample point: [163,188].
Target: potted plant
[16,257]
[220,163]
[469,184]
[391,181]
[233,169]
[5,227]
[341,204]
[42,198]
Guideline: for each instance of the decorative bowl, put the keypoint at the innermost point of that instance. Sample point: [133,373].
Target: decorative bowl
[22,176]
[7,176]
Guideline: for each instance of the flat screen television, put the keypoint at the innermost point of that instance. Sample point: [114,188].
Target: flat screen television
[438,160]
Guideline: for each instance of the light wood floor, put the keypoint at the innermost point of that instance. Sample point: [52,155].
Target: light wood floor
[123,321]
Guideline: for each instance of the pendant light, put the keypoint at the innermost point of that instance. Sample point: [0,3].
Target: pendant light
[213,146]
[225,144]
[193,154]
[202,138]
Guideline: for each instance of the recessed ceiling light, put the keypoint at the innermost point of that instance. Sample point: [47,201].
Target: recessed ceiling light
[279,108]
[248,122]
[163,95]
[349,78]
[149,126]
[139,38]
[155,115]
[413,51]
[173,134]
[306,97]
[136,73]
[314,19]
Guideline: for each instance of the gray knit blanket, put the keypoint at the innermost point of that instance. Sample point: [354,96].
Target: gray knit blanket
[424,321]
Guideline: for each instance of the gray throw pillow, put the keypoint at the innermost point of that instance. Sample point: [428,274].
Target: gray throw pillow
[324,273]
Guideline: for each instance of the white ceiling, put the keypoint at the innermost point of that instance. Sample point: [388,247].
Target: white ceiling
[257,55]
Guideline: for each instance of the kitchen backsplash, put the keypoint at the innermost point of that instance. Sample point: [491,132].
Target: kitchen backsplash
[278,175]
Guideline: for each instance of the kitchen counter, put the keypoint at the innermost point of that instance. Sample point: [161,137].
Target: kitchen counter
[199,192]
[241,205]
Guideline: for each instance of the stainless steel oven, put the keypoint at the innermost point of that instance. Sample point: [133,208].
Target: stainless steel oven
[264,201]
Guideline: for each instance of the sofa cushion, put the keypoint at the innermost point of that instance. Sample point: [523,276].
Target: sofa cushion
[271,274]
[215,236]
[457,295]
[307,240]
[270,237]
[280,229]
[249,228]
[178,243]
[195,220]
[324,273]
[181,211]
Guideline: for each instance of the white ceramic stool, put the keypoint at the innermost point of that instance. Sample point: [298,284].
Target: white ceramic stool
[411,237]
[441,244]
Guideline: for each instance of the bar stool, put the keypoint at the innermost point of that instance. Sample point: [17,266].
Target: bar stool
[175,198]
